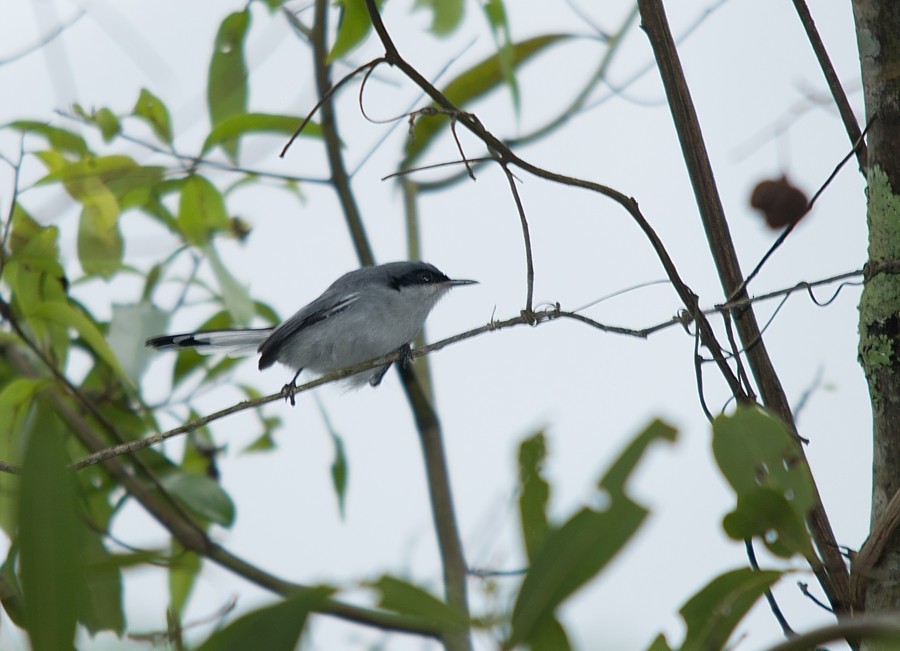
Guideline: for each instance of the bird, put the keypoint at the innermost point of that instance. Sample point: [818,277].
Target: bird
[365,314]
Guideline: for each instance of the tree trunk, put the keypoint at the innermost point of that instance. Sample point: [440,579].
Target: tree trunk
[878,37]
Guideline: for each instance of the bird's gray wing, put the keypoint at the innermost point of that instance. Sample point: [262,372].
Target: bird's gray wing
[320,309]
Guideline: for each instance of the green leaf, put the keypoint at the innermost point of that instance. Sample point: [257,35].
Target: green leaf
[549,634]
[472,84]
[353,28]
[100,599]
[129,328]
[767,514]
[534,493]
[574,553]
[15,402]
[201,210]
[100,244]
[102,168]
[12,597]
[617,476]
[275,628]
[762,461]
[49,534]
[339,469]
[235,296]
[226,93]
[497,18]
[153,111]
[407,599]
[65,314]
[713,613]
[108,123]
[659,644]
[202,495]
[232,128]
[184,569]
[445,14]
[61,139]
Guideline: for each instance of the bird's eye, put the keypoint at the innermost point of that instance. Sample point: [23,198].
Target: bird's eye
[425,277]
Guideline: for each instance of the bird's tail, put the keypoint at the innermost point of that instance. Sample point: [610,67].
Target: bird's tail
[233,343]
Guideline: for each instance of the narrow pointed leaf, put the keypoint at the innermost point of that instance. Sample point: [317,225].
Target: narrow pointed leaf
[153,111]
[475,82]
[232,128]
[713,613]
[202,495]
[49,535]
[235,295]
[226,94]
[575,552]
[69,316]
[408,599]
[275,628]
[353,28]
[534,493]
[61,139]
[445,14]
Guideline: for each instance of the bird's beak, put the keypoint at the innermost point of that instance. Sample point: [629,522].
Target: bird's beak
[457,283]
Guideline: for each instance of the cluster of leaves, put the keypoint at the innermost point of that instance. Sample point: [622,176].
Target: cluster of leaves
[60,571]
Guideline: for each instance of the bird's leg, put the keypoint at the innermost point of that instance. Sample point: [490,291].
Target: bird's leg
[405,357]
[291,387]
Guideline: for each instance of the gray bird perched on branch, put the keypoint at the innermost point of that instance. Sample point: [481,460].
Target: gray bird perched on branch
[364,314]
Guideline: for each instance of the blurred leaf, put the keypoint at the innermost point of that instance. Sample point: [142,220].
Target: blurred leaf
[15,402]
[100,599]
[235,296]
[713,613]
[445,14]
[534,493]
[153,111]
[762,461]
[475,82]
[61,139]
[201,210]
[550,634]
[129,327]
[767,514]
[617,476]
[102,168]
[184,568]
[10,591]
[275,628]
[202,495]
[49,536]
[659,644]
[353,28]
[150,282]
[407,599]
[226,93]
[64,314]
[230,129]
[574,553]
[108,123]
[100,244]
[339,470]
[497,18]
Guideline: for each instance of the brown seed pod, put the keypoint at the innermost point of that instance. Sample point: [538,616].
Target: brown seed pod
[780,202]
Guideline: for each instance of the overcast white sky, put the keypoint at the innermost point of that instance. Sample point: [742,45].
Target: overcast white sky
[750,69]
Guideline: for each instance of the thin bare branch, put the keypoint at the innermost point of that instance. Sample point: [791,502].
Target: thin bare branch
[834,84]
